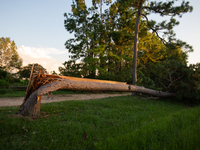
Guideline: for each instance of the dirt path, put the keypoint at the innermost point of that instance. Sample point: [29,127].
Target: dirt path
[16,101]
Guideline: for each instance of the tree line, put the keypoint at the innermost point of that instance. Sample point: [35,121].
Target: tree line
[120,43]
[11,69]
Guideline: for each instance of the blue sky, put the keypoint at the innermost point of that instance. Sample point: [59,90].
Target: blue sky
[37,27]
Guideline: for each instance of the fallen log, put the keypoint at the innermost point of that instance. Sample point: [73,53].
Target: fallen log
[43,83]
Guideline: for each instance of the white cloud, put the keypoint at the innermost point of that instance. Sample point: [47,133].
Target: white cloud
[40,56]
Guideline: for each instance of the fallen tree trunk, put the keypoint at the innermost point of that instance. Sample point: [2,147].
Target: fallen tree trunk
[41,84]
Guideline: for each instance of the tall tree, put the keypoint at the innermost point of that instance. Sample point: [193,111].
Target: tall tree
[76,23]
[9,58]
[100,3]
[87,27]
[167,8]
[115,36]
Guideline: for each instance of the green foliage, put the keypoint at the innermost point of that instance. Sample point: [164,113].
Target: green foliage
[144,80]
[168,8]
[171,76]
[84,27]
[3,82]
[53,72]
[190,88]
[105,49]
[25,71]
[9,58]
[3,74]
[164,9]
[24,82]
[111,123]
[7,78]
[2,90]
[71,68]
[103,43]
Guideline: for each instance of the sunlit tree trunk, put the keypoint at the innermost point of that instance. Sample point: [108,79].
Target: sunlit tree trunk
[136,43]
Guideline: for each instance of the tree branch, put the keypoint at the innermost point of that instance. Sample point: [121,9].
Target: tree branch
[157,11]
[179,78]
[163,41]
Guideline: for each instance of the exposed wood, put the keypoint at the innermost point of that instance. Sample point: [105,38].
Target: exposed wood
[28,86]
[41,84]
[31,107]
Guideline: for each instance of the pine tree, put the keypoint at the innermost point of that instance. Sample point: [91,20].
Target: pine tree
[167,8]
[89,32]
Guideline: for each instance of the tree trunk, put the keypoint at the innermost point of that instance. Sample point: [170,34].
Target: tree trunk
[42,84]
[31,107]
[136,43]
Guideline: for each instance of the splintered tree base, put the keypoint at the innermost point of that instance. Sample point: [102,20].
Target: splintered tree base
[42,83]
[31,107]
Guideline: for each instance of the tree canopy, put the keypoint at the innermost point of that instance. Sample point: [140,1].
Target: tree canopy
[104,41]
[9,58]
[115,43]
[26,70]
[167,8]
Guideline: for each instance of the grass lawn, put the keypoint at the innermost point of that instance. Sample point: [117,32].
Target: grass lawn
[22,93]
[125,122]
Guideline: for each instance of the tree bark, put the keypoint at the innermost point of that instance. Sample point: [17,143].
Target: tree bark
[136,43]
[31,106]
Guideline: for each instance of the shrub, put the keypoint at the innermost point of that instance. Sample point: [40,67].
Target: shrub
[3,90]
[3,82]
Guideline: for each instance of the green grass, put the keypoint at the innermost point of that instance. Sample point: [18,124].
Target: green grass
[12,93]
[111,123]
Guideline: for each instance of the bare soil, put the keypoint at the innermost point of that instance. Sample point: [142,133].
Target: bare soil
[16,101]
